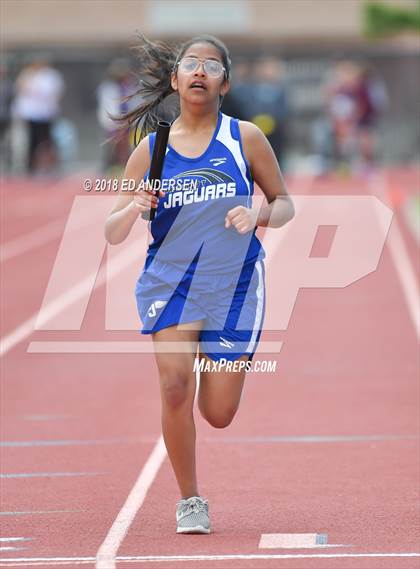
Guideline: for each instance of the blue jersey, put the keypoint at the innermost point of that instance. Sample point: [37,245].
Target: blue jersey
[197,269]
[189,226]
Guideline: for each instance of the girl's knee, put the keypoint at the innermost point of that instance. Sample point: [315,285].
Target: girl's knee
[218,418]
[174,388]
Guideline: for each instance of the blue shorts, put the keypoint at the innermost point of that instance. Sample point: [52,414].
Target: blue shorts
[232,308]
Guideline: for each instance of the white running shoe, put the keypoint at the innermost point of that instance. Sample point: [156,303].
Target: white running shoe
[192,515]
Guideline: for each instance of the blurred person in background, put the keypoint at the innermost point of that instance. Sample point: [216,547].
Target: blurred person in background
[372,100]
[269,105]
[6,96]
[111,93]
[342,108]
[238,100]
[39,90]
[355,100]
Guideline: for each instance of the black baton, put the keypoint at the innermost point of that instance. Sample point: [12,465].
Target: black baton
[156,163]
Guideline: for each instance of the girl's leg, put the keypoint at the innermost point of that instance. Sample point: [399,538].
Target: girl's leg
[219,395]
[177,386]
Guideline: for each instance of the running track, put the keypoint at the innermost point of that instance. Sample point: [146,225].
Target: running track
[327,445]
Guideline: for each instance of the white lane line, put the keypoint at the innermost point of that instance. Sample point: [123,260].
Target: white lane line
[117,347]
[45,417]
[261,556]
[2,539]
[57,188]
[400,257]
[43,234]
[240,440]
[105,557]
[32,561]
[69,442]
[48,474]
[38,512]
[32,240]
[406,273]
[312,439]
[118,264]
[8,540]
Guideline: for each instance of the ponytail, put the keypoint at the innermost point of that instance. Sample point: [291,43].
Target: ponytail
[157,60]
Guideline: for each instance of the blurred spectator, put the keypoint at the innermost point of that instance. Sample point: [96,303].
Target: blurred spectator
[355,99]
[6,96]
[371,102]
[258,94]
[111,92]
[268,102]
[65,136]
[238,101]
[342,106]
[39,90]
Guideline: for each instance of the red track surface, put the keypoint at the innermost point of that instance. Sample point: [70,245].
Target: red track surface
[348,368]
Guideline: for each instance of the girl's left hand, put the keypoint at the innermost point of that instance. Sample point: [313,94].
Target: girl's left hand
[242,218]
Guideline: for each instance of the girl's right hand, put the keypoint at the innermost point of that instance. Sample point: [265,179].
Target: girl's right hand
[144,199]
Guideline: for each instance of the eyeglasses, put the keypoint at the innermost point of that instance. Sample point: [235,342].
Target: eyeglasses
[211,67]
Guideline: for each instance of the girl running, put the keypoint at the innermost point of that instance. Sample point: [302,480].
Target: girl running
[202,285]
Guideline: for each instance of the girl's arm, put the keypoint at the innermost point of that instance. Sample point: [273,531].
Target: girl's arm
[266,173]
[131,204]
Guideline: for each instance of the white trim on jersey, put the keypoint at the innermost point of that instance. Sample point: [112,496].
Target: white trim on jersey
[259,310]
[225,137]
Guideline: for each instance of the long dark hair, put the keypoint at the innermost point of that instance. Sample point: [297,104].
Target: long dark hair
[156,62]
